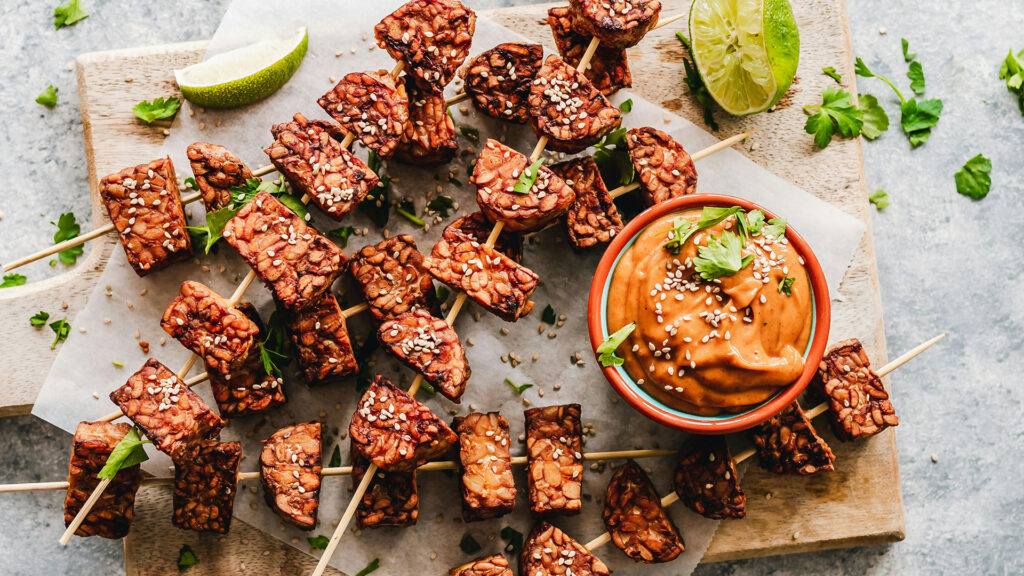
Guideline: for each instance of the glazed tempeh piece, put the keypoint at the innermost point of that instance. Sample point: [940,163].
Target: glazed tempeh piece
[249,389]
[391,499]
[496,174]
[429,136]
[608,70]
[499,79]
[488,488]
[166,410]
[495,565]
[205,486]
[487,276]
[217,170]
[429,346]
[593,218]
[554,445]
[371,106]
[317,165]
[290,471]
[206,324]
[478,227]
[395,431]
[858,403]
[568,109]
[295,261]
[550,552]
[391,276]
[664,169]
[705,479]
[431,37]
[111,515]
[634,517]
[787,444]
[322,344]
[618,23]
[145,208]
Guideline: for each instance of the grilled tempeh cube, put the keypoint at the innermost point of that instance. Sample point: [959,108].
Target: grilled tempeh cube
[634,517]
[169,413]
[478,227]
[390,500]
[550,552]
[206,324]
[111,515]
[205,486]
[593,218]
[499,79]
[495,565]
[431,37]
[295,261]
[705,479]
[317,165]
[608,70]
[249,389]
[321,340]
[496,174]
[370,106]
[787,444]
[429,346]
[554,444]
[858,403]
[488,488]
[395,431]
[145,207]
[664,169]
[429,136]
[217,170]
[618,23]
[290,471]
[490,278]
[391,276]
[568,109]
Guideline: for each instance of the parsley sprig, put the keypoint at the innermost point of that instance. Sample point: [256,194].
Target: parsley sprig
[67,228]
[13,279]
[528,177]
[613,160]
[61,330]
[519,388]
[186,558]
[272,348]
[212,231]
[68,13]
[917,117]
[606,351]
[128,452]
[721,256]
[973,179]
[158,109]
[1012,70]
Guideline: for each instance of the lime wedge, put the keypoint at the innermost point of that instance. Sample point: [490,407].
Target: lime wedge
[745,50]
[244,75]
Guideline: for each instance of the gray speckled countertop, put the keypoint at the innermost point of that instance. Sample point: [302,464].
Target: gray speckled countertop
[946,263]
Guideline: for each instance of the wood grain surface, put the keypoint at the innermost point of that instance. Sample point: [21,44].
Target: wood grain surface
[860,503]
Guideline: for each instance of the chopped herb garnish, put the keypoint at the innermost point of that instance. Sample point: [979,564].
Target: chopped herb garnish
[696,84]
[836,114]
[907,56]
[427,387]
[469,545]
[830,71]
[272,348]
[1012,70]
[127,453]
[879,198]
[442,293]
[158,109]
[613,160]
[68,13]
[212,231]
[874,117]
[67,228]
[519,388]
[341,234]
[48,97]
[916,117]
[469,132]
[681,230]
[295,205]
[916,74]
[13,279]
[39,318]
[455,181]
[606,351]
[548,316]
[190,182]
[627,105]
[335,457]
[786,286]
[721,256]
[186,558]
[441,205]
[753,222]
[377,204]
[118,364]
[373,565]
[528,178]
[776,228]
[61,329]
[514,539]
[973,179]
[319,542]
[712,215]
[407,209]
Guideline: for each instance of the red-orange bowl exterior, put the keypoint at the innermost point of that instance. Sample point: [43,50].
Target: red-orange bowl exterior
[769,407]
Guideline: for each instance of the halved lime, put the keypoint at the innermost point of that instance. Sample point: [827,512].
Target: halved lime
[244,75]
[745,50]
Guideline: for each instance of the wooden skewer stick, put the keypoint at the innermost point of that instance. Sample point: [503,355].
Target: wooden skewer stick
[672,497]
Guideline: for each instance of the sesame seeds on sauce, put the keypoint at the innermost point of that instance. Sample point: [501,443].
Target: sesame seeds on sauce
[707,346]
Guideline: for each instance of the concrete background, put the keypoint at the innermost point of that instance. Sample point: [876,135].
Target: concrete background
[946,263]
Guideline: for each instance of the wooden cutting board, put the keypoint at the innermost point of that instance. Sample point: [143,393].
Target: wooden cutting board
[860,503]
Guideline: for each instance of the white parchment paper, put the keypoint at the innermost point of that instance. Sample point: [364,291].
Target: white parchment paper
[125,309]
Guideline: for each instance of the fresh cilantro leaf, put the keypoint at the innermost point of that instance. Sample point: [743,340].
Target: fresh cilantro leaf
[721,256]
[213,230]
[836,113]
[830,71]
[61,329]
[681,231]
[786,286]
[713,215]
[1012,70]
[613,160]
[427,387]
[441,205]
[295,205]
[695,83]
[190,182]
[776,228]
[469,132]
[528,178]
[407,209]
[158,109]
[916,75]
[272,348]
[918,118]
[974,178]
[519,388]
[341,234]
[335,457]
[319,542]
[875,119]
[13,279]
[67,228]
[754,222]
[469,545]
[68,13]
[879,198]
[626,106]
[373,565]
[377,204]
[127,453]
[907,56]
[862,70]
[514,539]
[48,97]
[606,351]
[442,293]
[186,558]
[118,364]
[548,316]
[39,318]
